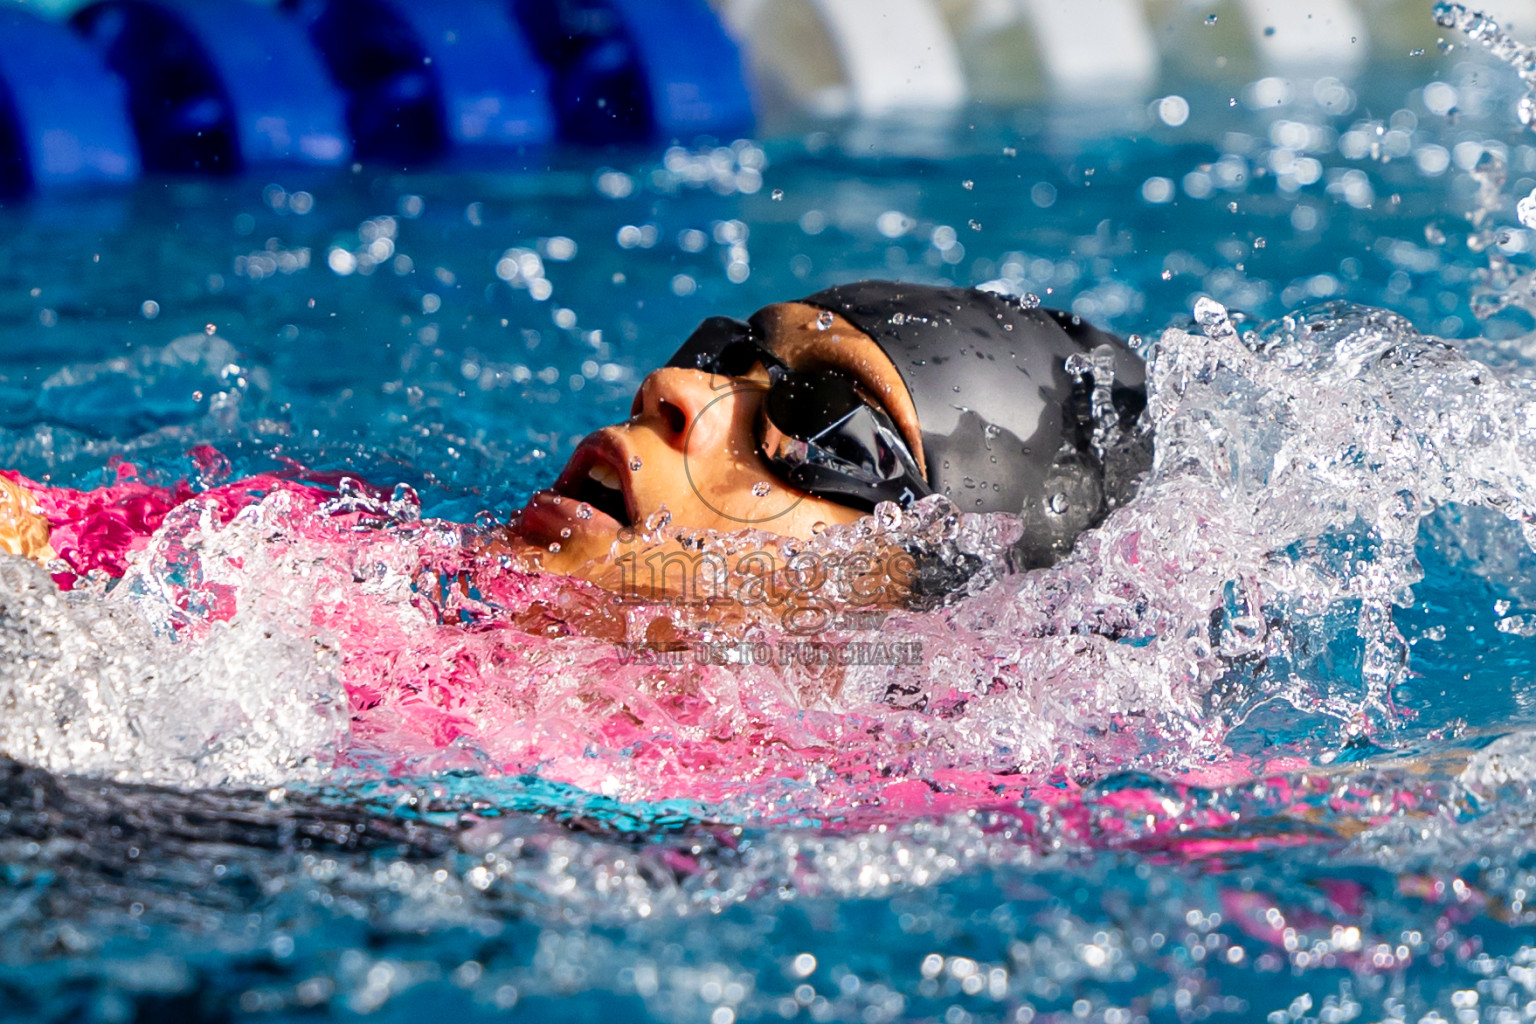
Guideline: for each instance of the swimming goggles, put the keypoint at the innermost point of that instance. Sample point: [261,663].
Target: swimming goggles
[818,430]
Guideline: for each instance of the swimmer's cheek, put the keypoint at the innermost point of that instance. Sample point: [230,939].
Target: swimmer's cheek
[23,530]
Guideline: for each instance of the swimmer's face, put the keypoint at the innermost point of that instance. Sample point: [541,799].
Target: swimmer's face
[690,450]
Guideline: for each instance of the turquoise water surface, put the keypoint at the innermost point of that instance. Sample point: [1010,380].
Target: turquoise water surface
[457,330]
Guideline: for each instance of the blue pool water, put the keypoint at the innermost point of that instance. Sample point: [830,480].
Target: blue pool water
[457,330]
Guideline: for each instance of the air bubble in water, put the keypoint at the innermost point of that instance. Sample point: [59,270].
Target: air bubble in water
[888,515]
[584,512]
[1210,19]
[898,318]
[635,463]
[824,320]
[554,548]
[975,224]
[565,534]
[967,184]
[1058,503]
[776,195]
[1029,300]
[761,489]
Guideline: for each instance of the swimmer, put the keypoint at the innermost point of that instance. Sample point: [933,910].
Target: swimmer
[812,412]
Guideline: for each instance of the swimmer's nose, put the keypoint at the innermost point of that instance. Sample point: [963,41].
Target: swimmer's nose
[682,406]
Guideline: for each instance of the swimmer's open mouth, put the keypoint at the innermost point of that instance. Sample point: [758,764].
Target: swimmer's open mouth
[593,479]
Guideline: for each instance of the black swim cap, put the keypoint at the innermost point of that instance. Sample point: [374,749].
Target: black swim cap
[1006,426]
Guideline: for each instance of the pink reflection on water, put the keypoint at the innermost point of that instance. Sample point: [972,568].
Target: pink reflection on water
[451,659]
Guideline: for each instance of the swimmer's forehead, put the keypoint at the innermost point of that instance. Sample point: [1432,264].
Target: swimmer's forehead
[810,338]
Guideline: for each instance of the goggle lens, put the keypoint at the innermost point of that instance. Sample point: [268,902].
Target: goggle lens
[819,430]
[725,346]
[823,433]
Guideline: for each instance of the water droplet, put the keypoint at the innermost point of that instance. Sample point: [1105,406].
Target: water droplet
[776,195]
[558,500]
[1167,275]
[635,463]
[1260,242]
[1212,317]
[967,184]
[1210,19]
[761,489]
[658,520]
[1058,503]
[975,224]
[554,548]
[898,318]
[888,515]
[584,512]
[565,534]
[1029,300]
[824,320]
[1525,210]
[818,527]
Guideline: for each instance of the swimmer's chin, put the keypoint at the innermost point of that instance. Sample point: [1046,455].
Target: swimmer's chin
[545,536]
[557,536]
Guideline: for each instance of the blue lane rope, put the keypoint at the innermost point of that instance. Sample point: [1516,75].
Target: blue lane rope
[424,77]
[63,117]
[218,85]
[631,70]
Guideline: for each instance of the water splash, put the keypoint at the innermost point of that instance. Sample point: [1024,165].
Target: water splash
[1501,284]
[1484,30]
[1294,466]
[551,911]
